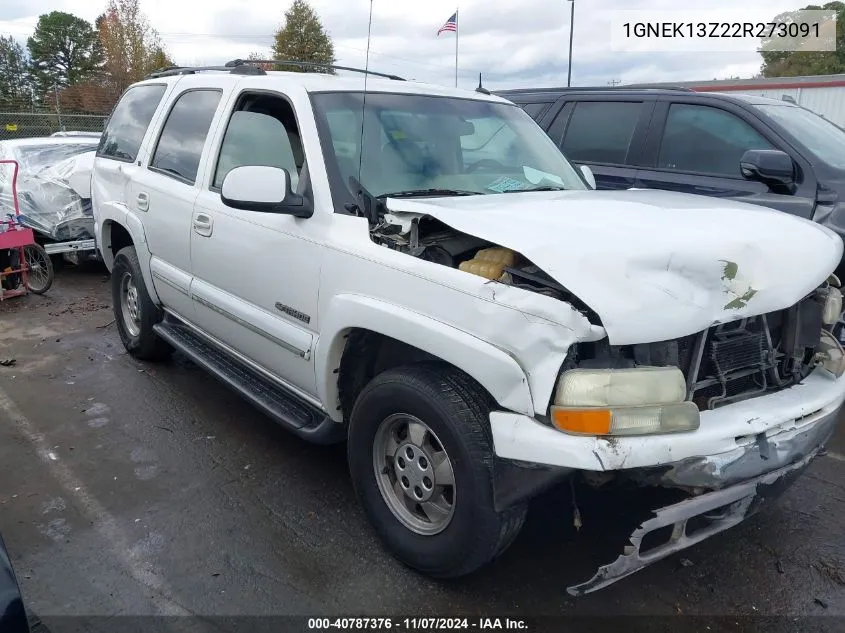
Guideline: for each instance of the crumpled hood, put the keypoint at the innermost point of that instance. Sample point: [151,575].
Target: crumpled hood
[654,265]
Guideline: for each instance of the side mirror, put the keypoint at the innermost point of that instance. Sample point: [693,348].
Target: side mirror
[767,165]
[588,176]
[263,189]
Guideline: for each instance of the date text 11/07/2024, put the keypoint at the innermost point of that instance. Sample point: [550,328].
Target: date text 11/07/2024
[417,624]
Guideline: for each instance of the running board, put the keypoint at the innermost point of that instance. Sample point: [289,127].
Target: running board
[280,404]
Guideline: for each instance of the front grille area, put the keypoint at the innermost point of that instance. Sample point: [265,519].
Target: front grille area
[728,362]
[743,359]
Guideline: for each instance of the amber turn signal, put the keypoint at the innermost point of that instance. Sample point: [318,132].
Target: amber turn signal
[582,421]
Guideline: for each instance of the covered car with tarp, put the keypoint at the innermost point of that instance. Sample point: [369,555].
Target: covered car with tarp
[53,185]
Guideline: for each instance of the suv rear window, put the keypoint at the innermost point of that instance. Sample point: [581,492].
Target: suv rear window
[601,131]
[128,123]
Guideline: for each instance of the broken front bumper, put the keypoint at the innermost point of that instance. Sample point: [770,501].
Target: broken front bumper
[742,454]
[696,519]
[724,434]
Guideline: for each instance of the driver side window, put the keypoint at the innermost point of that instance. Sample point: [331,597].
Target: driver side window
[262,131]
[706,140]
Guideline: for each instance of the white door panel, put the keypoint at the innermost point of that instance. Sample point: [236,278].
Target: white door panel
[167,223]
[255,287]
[172,285]
[257,321]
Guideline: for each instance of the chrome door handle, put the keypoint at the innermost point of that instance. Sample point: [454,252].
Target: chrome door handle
[143,201]
[203,224]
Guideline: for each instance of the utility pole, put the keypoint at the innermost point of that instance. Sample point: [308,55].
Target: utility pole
[571,34]
[614,82]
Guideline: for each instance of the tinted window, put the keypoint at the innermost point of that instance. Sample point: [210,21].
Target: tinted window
[601,132]
[255,138]
[706,140]
[824,139]
[128,123]
[535,110]
[183,136]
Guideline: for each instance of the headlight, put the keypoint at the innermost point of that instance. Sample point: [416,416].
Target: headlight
[832,306]
[638,401]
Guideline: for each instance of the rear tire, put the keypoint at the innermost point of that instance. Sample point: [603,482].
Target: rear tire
[440,521]
[135,314]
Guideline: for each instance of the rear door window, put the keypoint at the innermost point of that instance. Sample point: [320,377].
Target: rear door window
[601,131]
[128,123]
[183,137]
[706,140]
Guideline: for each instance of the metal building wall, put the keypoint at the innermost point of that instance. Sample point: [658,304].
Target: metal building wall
[828,102]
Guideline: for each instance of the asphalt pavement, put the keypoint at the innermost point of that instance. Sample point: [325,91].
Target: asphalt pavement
[132,489]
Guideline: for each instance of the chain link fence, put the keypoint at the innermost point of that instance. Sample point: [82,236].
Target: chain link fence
[75,109]
[28,124]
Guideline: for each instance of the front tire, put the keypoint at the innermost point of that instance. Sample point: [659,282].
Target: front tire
[419,454]
[135,314]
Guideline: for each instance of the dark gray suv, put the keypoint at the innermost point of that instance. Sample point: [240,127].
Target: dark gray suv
[747,148]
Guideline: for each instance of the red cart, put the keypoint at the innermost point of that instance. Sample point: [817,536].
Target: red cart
[24,265]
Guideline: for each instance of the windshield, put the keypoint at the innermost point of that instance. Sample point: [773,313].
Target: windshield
[825,140]
[438,146]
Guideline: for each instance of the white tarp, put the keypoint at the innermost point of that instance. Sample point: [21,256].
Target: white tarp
[53,185]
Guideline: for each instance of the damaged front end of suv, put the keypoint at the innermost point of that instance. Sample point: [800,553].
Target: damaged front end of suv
[726,364]
[726,417]
[630,339]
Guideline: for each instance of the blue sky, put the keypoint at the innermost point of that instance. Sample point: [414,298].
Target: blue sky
[514,47]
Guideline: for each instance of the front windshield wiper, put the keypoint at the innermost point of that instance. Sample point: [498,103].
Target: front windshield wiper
[545,188]
[418,193]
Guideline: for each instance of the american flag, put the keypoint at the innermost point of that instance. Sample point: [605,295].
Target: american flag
[451,25]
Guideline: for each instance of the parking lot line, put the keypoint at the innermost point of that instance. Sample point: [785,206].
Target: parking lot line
[108,527]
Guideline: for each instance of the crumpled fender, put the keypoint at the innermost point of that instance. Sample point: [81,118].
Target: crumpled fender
[495,370]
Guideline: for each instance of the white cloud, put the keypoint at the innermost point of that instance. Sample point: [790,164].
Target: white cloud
[513,45]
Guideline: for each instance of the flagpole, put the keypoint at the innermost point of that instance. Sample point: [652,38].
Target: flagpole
[457,34]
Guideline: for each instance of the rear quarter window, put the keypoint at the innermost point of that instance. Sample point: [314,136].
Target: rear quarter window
[535,110]
[128,123]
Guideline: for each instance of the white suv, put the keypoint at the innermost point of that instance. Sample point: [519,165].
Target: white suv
[420,272]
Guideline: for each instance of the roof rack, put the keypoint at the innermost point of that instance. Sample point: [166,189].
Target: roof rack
[292,62]
[595,88]
[251,67]
[656,87]
[170,71]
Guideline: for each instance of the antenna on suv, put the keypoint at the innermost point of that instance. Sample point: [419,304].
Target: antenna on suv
[364,202]
[481,88]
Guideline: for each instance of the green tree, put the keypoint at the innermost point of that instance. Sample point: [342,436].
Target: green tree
[131,47]
[157,59]
[15,84]
[798,63]
[64,50]
[303,38]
